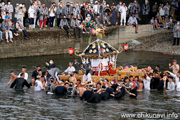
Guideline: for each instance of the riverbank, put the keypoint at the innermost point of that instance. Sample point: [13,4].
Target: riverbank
[161,43]
[45,42]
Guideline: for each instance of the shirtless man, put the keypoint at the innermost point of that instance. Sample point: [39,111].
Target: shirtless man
[81,89]
[174,67]
[13,77]
[72,78]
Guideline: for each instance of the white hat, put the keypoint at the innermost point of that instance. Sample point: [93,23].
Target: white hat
[20,5]
[88,15]
[17,3]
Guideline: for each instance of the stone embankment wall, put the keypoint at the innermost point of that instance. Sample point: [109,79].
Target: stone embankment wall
[44,42]
[51,42]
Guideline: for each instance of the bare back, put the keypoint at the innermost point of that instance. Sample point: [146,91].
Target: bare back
[81,91]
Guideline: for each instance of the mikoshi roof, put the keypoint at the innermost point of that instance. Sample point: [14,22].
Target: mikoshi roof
[99,49]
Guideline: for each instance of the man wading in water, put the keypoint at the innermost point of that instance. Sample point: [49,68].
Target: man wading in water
[13,77]
[20,82]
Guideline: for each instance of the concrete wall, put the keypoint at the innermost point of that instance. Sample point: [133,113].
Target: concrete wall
[44,42]
[41,43]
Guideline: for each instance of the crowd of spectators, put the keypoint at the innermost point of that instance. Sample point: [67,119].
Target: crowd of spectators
[164,16]
[80,16]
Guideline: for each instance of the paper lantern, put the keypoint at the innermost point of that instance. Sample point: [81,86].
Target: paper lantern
[71,51]
[126,47]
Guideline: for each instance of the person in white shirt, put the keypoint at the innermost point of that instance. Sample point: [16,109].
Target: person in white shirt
[162,10]
[133,22]
[10,9]
[3,9]
[118,7]
[96,8]
[178,86]
[15,12]
[31,14]
[25,73]
[123,10]
[20,12]
[87,76]
[70,69]
[146,82]
[38,84]
[175,76]
[171,85]
[167,8]
[52,11]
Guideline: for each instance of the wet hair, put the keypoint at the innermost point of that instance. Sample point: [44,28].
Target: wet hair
[131,76]
[43,73]
[170,77]
[125,78]
[23,67]
[158,66]
[155,71]
[150,74]
[98,83]
[66,84]
[79,80]
[103,88]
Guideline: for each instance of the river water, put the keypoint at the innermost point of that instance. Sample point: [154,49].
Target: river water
[30,105]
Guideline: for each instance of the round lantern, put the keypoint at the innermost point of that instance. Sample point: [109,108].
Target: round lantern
[126,47]
[71,51]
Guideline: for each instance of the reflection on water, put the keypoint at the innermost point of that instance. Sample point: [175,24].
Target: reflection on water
[30,105]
